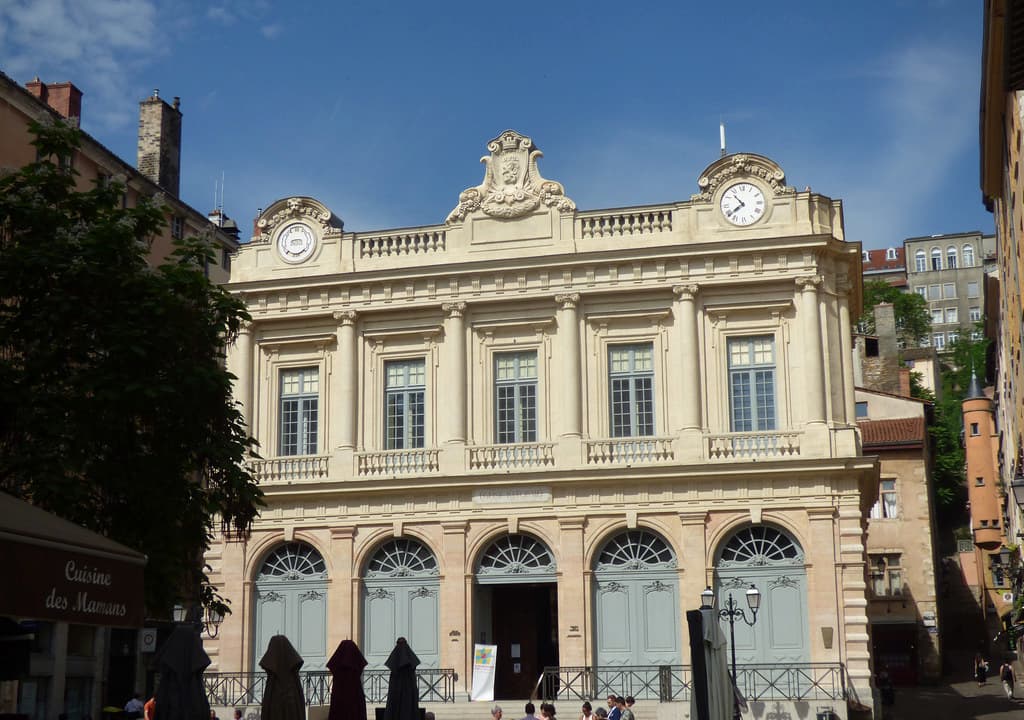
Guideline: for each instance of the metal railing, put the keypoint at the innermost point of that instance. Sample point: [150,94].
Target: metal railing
[246,688]
[668,683]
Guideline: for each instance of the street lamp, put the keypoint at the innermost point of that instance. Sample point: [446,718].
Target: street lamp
[207,621]
[733,612]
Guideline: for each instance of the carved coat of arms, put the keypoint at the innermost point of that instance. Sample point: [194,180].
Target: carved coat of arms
[512,185]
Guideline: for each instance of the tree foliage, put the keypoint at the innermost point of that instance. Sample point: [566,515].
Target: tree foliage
[910,311]
[115,407]
[964,356]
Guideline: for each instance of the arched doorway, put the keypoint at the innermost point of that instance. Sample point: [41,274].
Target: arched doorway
[400,599]
[636,601]
[291,600]
[773,561]
[515,607]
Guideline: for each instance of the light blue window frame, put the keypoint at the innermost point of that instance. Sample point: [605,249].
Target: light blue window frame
[515,397]
[404,404]
[752,405]
[300,407]
[631,389]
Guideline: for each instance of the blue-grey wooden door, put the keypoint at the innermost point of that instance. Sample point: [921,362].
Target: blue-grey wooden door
[772,561]
[291,600]
[636,602]
[401,596]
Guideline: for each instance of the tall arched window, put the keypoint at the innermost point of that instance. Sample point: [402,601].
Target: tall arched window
[951,257]
[936,259]
[968,256]
[920,261]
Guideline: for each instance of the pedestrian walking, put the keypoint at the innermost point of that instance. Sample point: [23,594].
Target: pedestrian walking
[980,669]
[587,711]
[1008,678]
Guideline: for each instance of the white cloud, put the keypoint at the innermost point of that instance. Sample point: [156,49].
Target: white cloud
[271,31]
[85,41]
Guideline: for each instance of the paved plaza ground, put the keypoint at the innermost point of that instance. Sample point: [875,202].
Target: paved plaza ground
[959,699]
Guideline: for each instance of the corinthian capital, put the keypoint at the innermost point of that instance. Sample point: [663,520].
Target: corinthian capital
[454,310]
[346,317]
[568,301]
[685,292]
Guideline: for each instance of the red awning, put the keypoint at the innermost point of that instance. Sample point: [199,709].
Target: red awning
[56,570]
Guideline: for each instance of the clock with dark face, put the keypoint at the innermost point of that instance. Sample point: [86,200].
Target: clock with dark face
[742,204]
[296,243]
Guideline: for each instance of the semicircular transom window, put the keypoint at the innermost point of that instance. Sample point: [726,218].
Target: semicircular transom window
[515,556]
[293,561]
[761,545]
[400,558]
[636,550]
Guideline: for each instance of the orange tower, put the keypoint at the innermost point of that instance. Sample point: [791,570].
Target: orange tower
[982,478]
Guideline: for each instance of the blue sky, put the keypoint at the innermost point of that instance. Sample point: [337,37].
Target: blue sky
[381,109]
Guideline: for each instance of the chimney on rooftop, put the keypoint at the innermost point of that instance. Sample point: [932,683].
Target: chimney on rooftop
[159,153]
[63,97]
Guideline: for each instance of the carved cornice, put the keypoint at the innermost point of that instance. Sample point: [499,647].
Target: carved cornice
[454,310]
[512,185]
[568,301]
[345,317]
[737,167]
[685,292]
[297,208]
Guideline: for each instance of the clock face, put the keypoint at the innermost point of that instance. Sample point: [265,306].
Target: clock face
[296,243]
[742,203]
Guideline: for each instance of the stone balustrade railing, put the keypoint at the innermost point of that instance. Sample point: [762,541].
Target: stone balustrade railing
[747,445]
[401,244]
[397,462]
[629,451]
[625,224]
[290,469]
[520,456]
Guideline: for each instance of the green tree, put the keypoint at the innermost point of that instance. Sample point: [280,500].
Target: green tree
[964,356]
[115,406]
[909,310]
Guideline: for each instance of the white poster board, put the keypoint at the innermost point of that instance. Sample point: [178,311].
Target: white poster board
[484,659]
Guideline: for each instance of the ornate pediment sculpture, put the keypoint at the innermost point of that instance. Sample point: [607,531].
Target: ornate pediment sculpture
[512,185]
[739,166]
[295,208]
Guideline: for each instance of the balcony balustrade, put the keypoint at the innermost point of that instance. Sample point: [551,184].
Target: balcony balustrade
[519,456]
[629,451]
[748,446]
[397,462]
[290,469]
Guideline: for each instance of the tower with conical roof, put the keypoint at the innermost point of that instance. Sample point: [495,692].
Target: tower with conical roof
[981,469]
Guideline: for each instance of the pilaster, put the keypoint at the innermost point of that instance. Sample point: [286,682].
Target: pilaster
[846,349]
[455,374]
[693,546]
[456,586]
[241,362]
[854,616]
[570,375]
[345,586]
[572,599]
[343,383]
[688,357]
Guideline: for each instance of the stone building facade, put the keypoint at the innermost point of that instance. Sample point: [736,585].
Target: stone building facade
[551,429]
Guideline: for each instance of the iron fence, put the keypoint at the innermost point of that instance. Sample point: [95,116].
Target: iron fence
[246,688]
[668,683]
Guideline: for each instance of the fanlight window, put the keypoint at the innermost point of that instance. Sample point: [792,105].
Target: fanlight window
[760,545]
[401,557]
[516,555]
[293,561]
[636,550]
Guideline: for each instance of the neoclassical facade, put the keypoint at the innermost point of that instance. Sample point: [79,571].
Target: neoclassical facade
[550,429]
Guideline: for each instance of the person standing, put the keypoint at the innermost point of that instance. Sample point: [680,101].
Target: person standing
[530,710]
[624,712]
[149,709]
[1008,678]
[613,709]
[587,711]
[134,708]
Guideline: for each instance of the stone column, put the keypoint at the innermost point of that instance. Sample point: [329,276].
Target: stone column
[455,373]
[571,375]
[343,383]
[686,312]
[456,586]
[846,349]
[572,598]
[855,640]
[344,591]
[693,563]
[242,364]
[813,380]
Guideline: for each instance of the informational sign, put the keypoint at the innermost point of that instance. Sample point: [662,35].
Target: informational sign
[147,640]
[485,658]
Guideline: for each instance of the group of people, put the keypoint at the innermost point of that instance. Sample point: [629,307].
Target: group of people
[619,708]
[1006,674]
[136,709]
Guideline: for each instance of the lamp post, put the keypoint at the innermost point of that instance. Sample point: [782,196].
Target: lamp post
[207,621]
[733,612]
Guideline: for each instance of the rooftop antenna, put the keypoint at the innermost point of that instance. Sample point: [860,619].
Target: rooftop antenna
[721,135]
